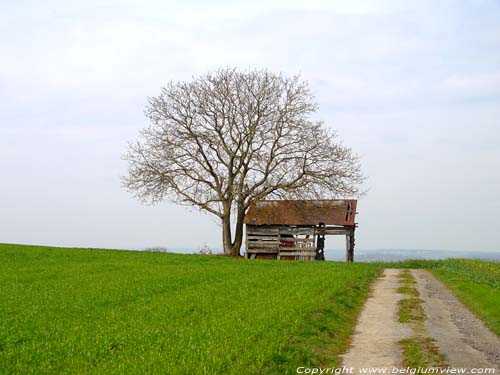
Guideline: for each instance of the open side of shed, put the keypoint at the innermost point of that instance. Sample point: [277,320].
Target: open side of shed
[296,229]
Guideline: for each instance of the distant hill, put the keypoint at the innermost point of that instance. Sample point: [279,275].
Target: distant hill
[376,255]
[390,255]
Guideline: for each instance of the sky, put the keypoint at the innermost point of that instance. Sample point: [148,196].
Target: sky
[413,87]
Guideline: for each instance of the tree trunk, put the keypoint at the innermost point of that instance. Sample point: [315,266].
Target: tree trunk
[238,235]
[231,247]
[226,235]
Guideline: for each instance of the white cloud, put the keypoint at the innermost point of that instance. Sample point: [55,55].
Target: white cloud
[476,85]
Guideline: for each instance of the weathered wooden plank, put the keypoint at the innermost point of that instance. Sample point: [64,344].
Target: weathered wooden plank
[262,244]
[293,253]
[265,251]
[299,231]
[304,240]
[274,240]
[268,234]
[293,231]
[334,232]
[283,248]
[297,248]
[297,253]
[262,230]
[267,238]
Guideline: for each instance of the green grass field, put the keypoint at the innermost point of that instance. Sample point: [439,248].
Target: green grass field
[76,311]
[477,285]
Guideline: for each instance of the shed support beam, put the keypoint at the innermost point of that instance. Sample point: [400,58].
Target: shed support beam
[349,239]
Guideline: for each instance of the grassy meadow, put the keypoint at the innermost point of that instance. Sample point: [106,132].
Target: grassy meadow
[88,311]
[77,311]
[477,285]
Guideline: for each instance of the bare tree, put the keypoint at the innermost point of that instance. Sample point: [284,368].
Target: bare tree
[227,138]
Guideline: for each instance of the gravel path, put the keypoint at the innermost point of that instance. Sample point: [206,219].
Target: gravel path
[461,337]
[376,336]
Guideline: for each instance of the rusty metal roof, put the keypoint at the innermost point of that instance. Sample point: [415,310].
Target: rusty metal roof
[302,212]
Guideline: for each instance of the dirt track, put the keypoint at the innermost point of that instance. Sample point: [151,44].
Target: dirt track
[460,336]
[375,340]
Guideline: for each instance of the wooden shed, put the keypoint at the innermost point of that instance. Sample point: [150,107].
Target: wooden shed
[296,229]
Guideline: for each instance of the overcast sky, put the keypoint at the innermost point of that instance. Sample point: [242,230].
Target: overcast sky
[412,86]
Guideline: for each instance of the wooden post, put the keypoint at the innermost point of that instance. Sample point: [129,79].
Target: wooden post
[320,244]
[347,242]
[246,242]
[349,239]
[278,255]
